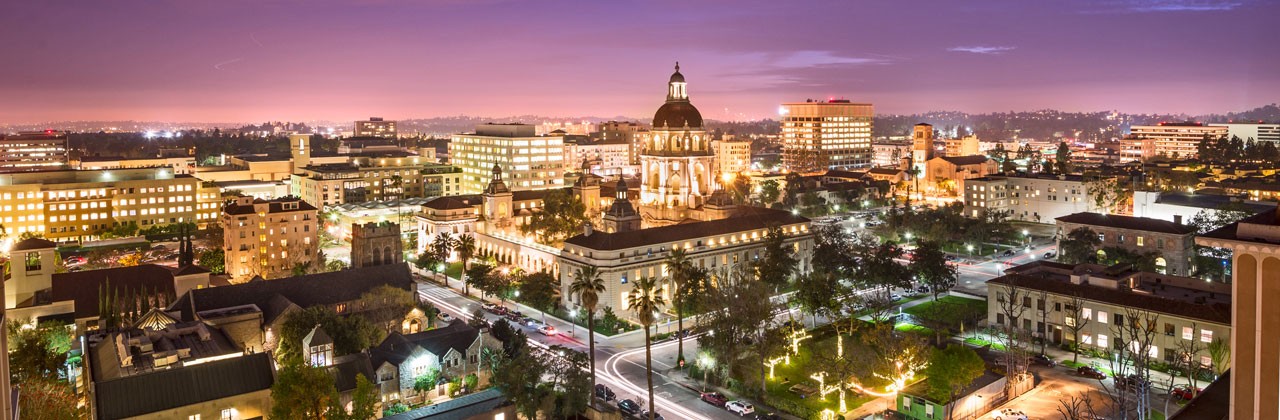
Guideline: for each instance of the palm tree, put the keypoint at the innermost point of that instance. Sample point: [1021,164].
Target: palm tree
[645,301]
[588,285]
[680,268]
[466,247]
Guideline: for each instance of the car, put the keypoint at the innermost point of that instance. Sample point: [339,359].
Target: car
[768,416]
[492,308]
[714,398]
[895,297]
[1007,253]
[530,322]
[547,330]
[1049,255]
[741,408]
[444,317]
[1090,372]
[628,407]
[1131,382]
[1043,360]
[604,393]
[1009,414]
[158,247]
[1185,391]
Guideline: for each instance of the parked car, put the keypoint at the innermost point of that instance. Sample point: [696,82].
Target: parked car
[1043,360]
[628,407]
[1131,382]
[492,308]
[1049,255]
[1008,253]
[547,330]
[604,393]
[895,297]
[530,322]
[741,408]
[514,316]
[444,317]
[1185,391]
[714,398]
[1090,372]
[1009,414]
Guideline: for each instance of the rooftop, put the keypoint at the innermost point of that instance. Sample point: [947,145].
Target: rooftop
[83,287]
[306,291]
[162,390]
[747,218]
[1118,221]
[966,160]
[274,206]
[396,348]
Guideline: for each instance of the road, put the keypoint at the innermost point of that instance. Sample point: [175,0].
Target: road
[619,365]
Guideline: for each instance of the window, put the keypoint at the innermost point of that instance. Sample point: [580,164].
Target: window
[1102,317]
[1206,361]
[1086,313]
[1139,241]
[1071,322]
[1000,319]
[193,417]
[1086,339]
[1187,332]
[1206,336]
[1120,320]
[1102,340]
[1168,329]
[228,414]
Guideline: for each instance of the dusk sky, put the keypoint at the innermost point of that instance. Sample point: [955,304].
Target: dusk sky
[253,61]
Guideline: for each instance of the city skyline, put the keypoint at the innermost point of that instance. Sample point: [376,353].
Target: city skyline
[236,61]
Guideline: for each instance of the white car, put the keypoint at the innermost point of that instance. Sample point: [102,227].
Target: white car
[444,317]
[547,330]
[742,408]
[1009,414]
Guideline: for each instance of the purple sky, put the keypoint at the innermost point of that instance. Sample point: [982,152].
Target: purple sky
[258,60]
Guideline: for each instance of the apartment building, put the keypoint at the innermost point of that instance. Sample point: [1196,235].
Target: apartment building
[532,162]
[732,156]
[1173,241]
[1173,140]
[375,127]
[1189,313]
[75,205]
[374,179]
[267,238]
[1033,198]
[1252,131]
[182,165]
[605,157]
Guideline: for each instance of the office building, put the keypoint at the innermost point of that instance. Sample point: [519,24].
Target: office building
[181,165]
[268,238]
[820,135]
[677,161]
[889,153]
[1173,242]
[362,179]
[1171,140]
[1252,131]
[72,205]
[1186,309]
[1032,198]
[603,157]
[375,127]
[33,150]
[532,162]
[967,146]
[1255,285]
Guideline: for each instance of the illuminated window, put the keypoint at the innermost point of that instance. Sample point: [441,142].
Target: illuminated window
[228,414]
[1102,340]
[1102,317]
[1206,336]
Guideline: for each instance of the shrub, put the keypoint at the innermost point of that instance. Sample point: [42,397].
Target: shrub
[470,382]
[394,409]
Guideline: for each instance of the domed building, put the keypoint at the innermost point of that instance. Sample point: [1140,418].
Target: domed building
[677,159]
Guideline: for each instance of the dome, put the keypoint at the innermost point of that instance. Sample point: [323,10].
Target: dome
[675,114]
[676,77]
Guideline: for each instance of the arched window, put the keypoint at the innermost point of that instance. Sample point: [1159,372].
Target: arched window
[1161,265]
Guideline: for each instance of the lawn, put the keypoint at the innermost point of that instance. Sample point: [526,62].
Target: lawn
[799,372]
[907,326]
[454,270]
[964,308]
[982,342]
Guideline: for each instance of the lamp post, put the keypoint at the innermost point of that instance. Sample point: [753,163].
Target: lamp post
[573,326]
[970,248]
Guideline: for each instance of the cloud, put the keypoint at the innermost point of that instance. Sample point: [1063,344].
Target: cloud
[982,49]
[1159,6]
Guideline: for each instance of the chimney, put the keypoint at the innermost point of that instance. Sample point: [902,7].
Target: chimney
[587,229]
[1177,219]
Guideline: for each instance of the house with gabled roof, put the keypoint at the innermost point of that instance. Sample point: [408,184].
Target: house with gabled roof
[453,350]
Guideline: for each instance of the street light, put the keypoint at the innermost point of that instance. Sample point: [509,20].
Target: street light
[573,326]
[705,362]
[970,248]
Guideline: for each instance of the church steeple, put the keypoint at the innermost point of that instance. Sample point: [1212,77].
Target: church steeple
[676,90]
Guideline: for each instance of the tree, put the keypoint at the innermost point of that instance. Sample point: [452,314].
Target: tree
[1000,154]
[769,192]
[739,307]
[1078,407]
[570,382]
[514,342]
[540,291]
[351,334]
[819,292]
[894,356]
[364,400]
[1062,159]
[645,301]
[479,276]
[1012,304]
[562,216]
[519,377]
[1080,246]
[131,259]
[778,262]
[1220,355]
[1073,317]
[214,259]
[740,189]
[441,247]
[302,391]
[36,353]
[386,306]
[48,399]
[682,273]
[588,285]
[950,371]
[1109,194]
[930,265]
[1134,333]
[466,248]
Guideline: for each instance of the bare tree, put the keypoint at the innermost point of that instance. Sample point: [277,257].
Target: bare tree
[1077,407]
[1074,317]
[1134,335]
[1042,308]
[1013,305]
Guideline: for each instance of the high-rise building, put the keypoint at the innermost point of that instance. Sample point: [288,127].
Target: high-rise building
[532,162]
[677,159]
[627,132]
[1254,131]
[375,127]
[1255,318]
[732,156]
[1174,140]
[33,150]
[268,238]
[822,135]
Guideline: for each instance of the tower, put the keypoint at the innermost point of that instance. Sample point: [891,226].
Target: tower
[677,160]
[921,145]
[621,217]
[375,244]
[587,190]
[719,205]
[497,200]
[300,146]
[32,263]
